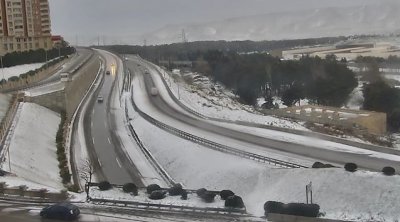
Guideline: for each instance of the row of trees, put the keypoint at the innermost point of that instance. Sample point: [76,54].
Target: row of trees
[192,50]
[380,97]
[322,81]
[35,56]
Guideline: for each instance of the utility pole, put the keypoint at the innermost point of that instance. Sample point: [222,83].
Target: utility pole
[184,39]
[309,191]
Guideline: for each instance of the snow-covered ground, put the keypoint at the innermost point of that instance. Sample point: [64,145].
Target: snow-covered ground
[356,97]
[33,147]
[393,77]
[45,89]
[6,73]
[359,196]
[214,100]
[339,193]
[15,181]
[4,104]
[192,201]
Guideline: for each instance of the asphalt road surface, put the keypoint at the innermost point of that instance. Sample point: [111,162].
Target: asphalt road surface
[115,166]
[364,161]
[81,55]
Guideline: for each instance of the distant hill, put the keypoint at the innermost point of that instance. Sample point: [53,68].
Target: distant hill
[371,19]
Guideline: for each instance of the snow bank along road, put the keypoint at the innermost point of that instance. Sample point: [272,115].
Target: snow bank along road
[173,111]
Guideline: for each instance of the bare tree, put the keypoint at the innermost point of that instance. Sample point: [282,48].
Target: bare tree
[86,173]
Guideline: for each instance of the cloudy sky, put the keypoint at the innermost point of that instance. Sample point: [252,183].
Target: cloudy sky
[85,19]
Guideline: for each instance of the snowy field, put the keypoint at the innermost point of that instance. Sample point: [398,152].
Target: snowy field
[6,73]
[33,148]
[214,100]
[4,104]
[337,191]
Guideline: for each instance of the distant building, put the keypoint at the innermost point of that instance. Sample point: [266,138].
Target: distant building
[24,25]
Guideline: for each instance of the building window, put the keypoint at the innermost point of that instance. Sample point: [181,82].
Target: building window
[19,46]
[30,45]
[11,46]
[5,46]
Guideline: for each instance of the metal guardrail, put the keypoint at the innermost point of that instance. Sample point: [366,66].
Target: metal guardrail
[144,205]
[167,178]
[214,145]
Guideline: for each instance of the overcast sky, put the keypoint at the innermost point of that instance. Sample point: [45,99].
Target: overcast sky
[91,18]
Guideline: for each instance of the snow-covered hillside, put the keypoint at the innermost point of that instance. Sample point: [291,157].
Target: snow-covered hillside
[214,100]
[370,19]
[33,147]
[6,73]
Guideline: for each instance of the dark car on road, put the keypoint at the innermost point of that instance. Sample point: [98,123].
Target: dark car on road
[60,211]
[108,72]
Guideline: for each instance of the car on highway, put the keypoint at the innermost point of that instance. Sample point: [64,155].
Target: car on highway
[146,71]
[154,91]
[60,211]
[108,72]
[100,99]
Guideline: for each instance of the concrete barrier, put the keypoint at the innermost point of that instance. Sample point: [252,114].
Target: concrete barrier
[77,88]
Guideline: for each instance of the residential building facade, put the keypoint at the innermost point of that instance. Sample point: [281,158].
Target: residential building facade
[24,25]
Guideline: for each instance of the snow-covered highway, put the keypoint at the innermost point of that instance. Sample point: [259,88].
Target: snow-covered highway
[160,108]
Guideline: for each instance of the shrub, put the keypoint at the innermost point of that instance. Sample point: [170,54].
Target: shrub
[234,201]
[208,197]
[273,207]
[225,194]
[65,175]
[157,195]
[351,167]
[175,190]
[317,165]
[73,188]
[152,187]
[184,195]
[301,209]
[200,192]
[329,166]
[104,185]
[388,171]
[130,188]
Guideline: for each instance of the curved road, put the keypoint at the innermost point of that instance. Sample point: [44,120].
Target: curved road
[364,161]
[115,166]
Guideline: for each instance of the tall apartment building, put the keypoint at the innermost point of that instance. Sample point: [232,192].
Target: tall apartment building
[24,25]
